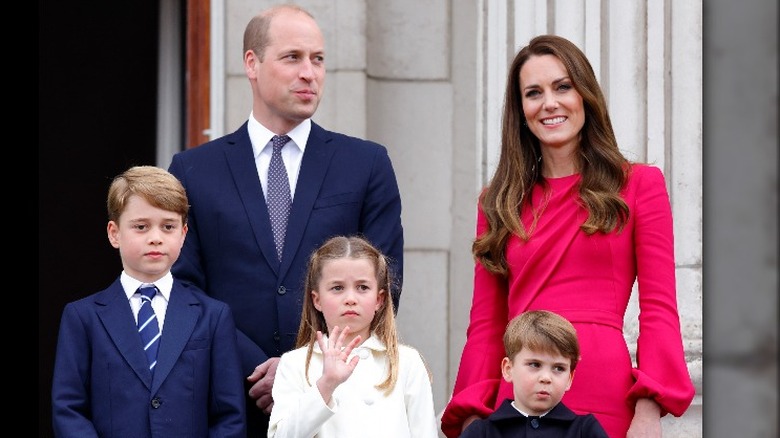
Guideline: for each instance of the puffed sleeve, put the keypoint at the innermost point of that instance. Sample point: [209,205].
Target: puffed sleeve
[661,372]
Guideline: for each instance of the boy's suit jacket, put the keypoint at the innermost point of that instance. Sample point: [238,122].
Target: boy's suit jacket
[345,186]
[560,422]
[102,385]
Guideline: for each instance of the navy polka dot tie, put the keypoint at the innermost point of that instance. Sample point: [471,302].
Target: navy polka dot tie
[148,327]
[278,196]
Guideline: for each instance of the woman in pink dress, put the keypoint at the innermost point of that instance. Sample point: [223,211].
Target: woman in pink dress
[568,224]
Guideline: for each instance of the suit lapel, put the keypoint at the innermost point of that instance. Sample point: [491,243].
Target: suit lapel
[241,161]
[117,318]
[180,319]
[314,167]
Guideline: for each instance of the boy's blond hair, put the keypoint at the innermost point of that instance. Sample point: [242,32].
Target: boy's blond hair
[155,185]
[543,331]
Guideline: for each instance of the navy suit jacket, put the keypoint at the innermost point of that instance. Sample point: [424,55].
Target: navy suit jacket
[102,385]
[560,422]
[345,186]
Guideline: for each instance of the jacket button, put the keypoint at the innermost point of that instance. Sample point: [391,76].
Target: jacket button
[282,290]
[156,403]
[535,423]
[277,338]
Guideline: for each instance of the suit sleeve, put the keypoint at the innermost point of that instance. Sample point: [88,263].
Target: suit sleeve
[70,394]
[380,220]
[661,372]
[228,406]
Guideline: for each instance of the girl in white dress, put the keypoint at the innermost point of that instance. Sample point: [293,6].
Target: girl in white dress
[349,376]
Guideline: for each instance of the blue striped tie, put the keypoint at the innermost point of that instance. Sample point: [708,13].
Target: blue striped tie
[148,327]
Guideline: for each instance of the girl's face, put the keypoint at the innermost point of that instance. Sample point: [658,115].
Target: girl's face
[552,106]
[347,295]
[538,379]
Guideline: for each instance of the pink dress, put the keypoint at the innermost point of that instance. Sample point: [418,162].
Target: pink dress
[588,280]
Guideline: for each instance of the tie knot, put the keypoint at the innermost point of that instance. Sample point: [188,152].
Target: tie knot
[279,141]
[147,291]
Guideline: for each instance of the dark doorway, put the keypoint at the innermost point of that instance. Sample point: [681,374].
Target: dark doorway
[97,104]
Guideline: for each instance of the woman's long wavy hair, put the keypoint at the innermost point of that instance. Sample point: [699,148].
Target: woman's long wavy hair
[602,166]
[383,324]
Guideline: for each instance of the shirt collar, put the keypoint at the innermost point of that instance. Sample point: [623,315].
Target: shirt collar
[525,414]
[131,285]
[260,136]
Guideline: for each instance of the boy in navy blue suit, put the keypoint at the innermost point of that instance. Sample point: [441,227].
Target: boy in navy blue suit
[542,352]
[104,384]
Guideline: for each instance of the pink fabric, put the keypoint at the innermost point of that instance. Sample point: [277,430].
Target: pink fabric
[588,280]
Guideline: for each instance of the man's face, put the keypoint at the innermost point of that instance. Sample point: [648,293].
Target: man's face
[289,79]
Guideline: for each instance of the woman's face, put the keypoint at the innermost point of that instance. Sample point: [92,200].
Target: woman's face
[552,106]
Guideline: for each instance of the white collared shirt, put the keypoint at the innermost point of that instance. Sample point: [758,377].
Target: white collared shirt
[525,414]
[159,302]
[292,152]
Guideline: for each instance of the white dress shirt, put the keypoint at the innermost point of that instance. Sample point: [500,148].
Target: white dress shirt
[292,152]
[160,300]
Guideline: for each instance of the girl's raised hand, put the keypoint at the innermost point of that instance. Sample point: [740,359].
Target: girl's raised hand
[336,368]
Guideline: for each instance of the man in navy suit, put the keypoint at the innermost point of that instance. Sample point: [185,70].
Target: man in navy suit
[340,185]
[104,384]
